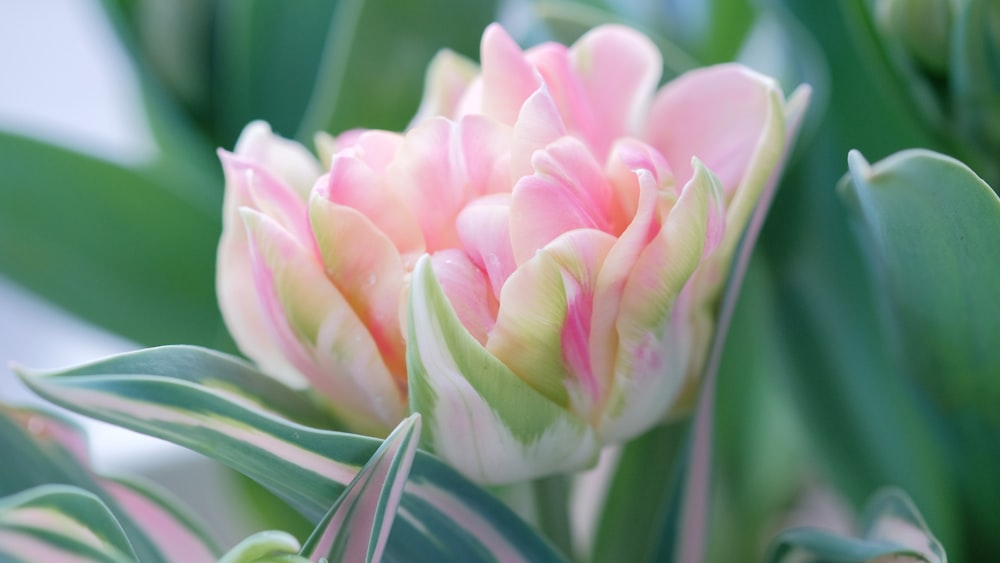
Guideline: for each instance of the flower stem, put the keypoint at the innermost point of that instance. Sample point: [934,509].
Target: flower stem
[552,496]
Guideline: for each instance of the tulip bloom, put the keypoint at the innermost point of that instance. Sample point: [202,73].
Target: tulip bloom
[533,266]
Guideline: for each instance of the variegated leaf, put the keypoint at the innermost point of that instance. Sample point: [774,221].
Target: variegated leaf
[442,516]
[60,523]
[357,526]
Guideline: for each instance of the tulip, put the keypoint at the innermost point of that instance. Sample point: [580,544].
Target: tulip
[533,265]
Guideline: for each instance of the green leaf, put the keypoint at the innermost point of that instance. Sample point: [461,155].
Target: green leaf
[974,80]
[375,56]
[267,56]
[933,230]
[894,529]
[443,516]
[57,522]
[358,524]
[642,498]
[132,250]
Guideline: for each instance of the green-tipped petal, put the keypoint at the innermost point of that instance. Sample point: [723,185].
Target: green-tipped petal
[480,416]
[653,347]
[320,331]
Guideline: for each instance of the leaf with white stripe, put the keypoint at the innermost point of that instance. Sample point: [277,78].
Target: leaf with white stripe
[442,516]
[43,448]
[358,524]
[60,523]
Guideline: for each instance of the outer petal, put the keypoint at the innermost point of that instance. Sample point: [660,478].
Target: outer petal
[719,115]
[544,324]
[318,331]
[478,415]
[246,320]
[568,191]
[287,160]
[368,270]
[650,366]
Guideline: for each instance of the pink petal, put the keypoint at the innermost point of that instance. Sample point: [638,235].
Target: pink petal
[568,191]
[287,161]
[716,114]
[484,229]
[352,182]
[508,79]
[468,291]
[246,320]
[367,269]
[648,174]
[318,331]
[442,165]
[543,326]
[649,370]
[619,69]
[538,125]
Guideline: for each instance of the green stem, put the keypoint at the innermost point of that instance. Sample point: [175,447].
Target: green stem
[552,496]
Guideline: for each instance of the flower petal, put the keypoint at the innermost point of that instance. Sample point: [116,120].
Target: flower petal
[507,78]
[355,181]
[568,191]
[619,69]
[652,185]
[543,326]
[718,114]
[484,229]
[318,331]
[442,165]
[368,270]
[651,361]
[241,310]
[478,415]
[538,124]
[468,291]
[287,160]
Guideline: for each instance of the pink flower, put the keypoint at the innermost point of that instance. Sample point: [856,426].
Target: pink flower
[533,265]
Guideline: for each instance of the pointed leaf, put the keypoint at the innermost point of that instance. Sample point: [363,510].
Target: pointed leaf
[358,524]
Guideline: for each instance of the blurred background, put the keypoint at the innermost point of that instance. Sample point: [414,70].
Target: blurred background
[110,207]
